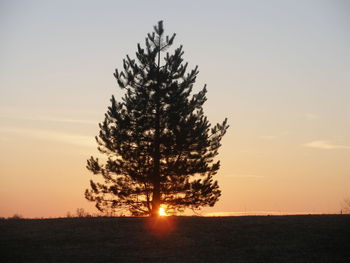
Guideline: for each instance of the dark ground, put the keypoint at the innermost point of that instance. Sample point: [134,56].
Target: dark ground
[309,238]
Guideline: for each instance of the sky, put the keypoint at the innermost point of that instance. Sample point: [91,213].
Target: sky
[278,70]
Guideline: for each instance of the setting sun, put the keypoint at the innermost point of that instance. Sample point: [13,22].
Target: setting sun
[162,211]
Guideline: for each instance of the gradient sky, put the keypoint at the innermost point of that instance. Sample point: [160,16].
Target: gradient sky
[279,70]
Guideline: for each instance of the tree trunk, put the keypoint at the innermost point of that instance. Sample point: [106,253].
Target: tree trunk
[156,173]
[156,200]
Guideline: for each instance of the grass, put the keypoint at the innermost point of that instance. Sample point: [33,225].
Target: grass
[307,238]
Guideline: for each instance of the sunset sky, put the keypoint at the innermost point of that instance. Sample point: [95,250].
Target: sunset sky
[278,70]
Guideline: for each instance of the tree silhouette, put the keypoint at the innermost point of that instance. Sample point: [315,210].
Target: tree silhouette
[160,147]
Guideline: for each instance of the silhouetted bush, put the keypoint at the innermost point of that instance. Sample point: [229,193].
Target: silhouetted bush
[16,216]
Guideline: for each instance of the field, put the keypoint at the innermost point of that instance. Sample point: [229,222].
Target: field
[307,238]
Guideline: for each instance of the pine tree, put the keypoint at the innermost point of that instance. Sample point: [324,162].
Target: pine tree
[160,147]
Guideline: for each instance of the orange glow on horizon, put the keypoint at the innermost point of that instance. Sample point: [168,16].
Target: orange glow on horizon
[162,225]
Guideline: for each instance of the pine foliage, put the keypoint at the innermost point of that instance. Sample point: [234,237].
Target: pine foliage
[160,146]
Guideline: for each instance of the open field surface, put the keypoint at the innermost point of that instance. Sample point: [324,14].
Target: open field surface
[309,238]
